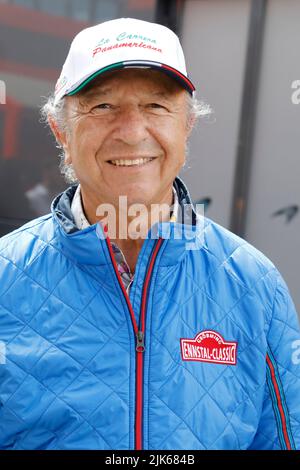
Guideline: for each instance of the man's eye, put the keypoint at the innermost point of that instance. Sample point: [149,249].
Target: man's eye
[103,106]
[156,106]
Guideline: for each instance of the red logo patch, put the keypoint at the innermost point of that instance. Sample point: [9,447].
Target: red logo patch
[209,346]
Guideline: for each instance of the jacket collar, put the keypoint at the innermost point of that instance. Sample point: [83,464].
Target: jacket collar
[88,246]
[80,217]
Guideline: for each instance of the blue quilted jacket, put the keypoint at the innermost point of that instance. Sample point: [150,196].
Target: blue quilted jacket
[204,352]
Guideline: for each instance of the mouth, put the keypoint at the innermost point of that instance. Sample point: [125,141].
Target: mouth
[126,162]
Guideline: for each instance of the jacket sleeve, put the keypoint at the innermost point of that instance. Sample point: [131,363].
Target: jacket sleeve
[279,425]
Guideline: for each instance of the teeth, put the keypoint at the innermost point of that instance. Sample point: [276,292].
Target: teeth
[138,161]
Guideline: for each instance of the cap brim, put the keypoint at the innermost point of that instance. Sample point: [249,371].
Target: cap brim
[173,73]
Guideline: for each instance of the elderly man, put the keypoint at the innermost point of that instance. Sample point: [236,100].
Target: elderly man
[128,327]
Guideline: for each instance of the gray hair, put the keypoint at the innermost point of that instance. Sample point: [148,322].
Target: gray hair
[57,112]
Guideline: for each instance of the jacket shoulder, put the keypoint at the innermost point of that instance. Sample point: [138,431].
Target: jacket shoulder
[241,260]
[225,244]
[21,246]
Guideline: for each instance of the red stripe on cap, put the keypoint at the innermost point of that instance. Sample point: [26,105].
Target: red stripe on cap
[183,77]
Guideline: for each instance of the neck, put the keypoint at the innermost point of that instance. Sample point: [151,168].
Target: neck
[124,229]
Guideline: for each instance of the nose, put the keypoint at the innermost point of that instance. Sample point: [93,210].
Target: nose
[131,126]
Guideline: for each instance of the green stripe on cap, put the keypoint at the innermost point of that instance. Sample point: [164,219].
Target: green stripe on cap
[83,84]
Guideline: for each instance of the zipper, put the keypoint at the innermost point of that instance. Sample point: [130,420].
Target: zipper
[139,332]
[140,341]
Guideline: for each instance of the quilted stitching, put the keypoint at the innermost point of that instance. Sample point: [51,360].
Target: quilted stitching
[69,381]
[33,367]
[251,341]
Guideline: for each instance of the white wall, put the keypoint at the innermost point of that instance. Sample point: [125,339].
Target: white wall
[275,175]
[214,38]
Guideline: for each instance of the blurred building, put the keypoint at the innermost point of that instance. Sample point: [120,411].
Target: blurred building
[243,56]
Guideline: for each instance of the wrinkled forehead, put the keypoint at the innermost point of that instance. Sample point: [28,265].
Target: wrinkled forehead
[145,79]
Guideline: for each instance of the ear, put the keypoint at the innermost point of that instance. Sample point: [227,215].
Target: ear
[61,138]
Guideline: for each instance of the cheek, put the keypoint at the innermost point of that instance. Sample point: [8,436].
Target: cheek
[176,144]
[85,142]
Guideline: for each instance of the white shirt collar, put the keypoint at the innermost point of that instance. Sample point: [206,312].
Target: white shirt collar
[77,211]
[81,220]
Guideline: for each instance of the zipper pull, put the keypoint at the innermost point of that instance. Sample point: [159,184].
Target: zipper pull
[140,343]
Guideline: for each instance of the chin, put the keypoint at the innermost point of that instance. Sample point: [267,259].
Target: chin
[138,194]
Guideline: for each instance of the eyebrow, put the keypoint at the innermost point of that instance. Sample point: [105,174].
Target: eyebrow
[93,92]
[98,92]
[161,94]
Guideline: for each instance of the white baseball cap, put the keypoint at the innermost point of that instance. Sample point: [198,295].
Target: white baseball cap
[121,43]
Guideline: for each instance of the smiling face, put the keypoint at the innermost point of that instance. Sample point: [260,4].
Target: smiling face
[127,135]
